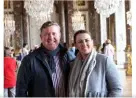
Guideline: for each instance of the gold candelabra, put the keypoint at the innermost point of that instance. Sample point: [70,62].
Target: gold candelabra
[128,51]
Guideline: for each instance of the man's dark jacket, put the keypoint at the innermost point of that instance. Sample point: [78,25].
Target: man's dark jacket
[34,77]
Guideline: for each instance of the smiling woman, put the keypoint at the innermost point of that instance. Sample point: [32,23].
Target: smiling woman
[89,67]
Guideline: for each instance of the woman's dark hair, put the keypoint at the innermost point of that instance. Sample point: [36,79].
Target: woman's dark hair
[5,51]
[103,46]
[80,32]
[12,50]
[76,51]
[24,44]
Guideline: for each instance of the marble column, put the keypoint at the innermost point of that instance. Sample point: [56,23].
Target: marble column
[25,25]
[103,29]
[62,21]
[69,30]
[97,30]
[18,5]
[92,21]
[120,25]
[128,27]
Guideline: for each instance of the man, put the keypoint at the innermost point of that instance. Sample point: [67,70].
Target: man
[25,50]
[72,51]
[44,72]
[9,73]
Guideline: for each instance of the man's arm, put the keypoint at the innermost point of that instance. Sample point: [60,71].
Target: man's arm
[23,78]
[113,79]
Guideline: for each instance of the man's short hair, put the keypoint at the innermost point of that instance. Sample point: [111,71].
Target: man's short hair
[48,24]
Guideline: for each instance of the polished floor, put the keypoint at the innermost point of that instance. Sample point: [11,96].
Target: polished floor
[127,83]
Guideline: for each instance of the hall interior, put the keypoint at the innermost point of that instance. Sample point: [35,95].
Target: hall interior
[22,25]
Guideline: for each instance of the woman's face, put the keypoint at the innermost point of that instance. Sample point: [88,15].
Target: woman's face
[84,43]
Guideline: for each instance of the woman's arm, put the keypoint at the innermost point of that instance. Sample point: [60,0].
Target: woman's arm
[113,79]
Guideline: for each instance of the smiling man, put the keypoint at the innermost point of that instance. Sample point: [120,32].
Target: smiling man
[43,73]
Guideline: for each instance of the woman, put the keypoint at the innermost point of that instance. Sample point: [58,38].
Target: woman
[103,47]
[109,49]
[92,74]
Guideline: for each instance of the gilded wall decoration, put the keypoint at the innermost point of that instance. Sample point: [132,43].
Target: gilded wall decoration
[80,4]
[8,5]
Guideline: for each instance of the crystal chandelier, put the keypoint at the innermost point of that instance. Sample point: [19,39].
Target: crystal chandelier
[40,10]
[106,7]
[78,21]
[9,24]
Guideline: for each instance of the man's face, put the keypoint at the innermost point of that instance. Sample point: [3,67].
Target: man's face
[8,52]
[84,43]
[50,37]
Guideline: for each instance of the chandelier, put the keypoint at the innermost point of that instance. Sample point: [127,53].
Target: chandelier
[40,10]
[78,21]
[106,7]
[9,24]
